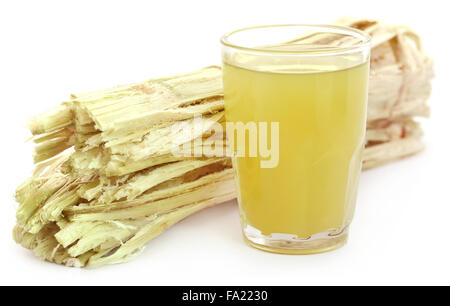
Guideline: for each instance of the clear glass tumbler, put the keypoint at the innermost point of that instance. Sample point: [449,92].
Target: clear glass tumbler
[295,106]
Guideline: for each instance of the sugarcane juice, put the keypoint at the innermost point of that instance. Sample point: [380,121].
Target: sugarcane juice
[321,115]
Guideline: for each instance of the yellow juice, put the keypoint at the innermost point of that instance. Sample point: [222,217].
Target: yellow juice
[321,117]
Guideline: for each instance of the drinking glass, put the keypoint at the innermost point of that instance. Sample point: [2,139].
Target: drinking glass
[295,108]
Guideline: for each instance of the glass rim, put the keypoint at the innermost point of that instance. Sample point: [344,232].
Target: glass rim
[365,40]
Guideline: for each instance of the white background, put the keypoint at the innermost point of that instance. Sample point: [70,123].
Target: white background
[49,49]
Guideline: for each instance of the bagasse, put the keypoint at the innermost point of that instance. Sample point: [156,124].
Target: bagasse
[121,186]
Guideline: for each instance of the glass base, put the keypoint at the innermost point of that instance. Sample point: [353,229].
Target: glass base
[289,244]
